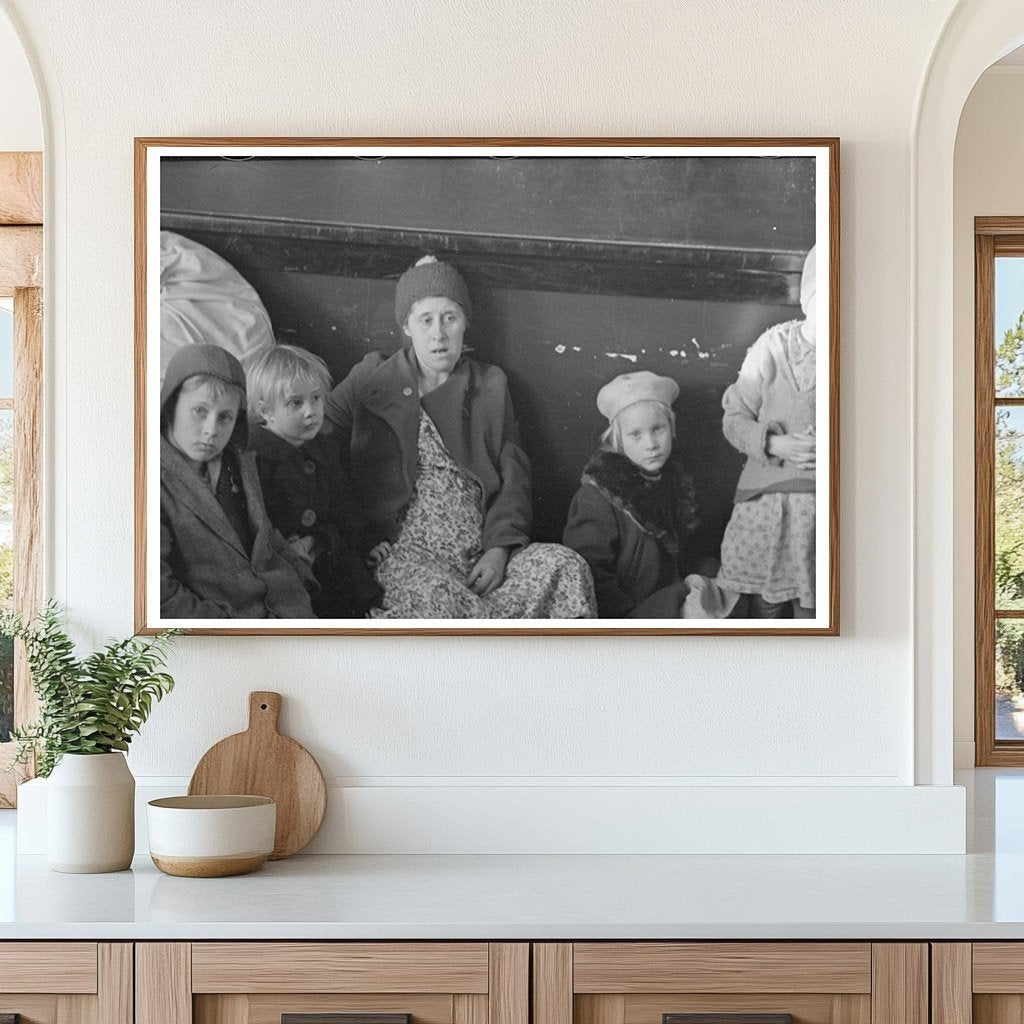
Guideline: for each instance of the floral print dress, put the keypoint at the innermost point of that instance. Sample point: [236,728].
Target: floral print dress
[769,544]
[424,577]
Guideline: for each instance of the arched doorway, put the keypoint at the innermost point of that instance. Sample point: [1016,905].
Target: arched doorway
[976,34]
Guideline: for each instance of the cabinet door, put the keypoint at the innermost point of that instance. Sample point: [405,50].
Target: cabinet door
[66,982]
[981,982]
[730,983]
[332,983]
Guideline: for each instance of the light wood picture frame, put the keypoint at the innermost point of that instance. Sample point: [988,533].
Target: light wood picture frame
[584,260]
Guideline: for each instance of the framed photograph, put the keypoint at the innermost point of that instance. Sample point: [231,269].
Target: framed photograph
[499,386]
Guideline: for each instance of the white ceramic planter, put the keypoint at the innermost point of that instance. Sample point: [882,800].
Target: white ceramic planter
[90,814]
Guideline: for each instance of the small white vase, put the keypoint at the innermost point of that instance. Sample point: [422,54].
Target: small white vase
[90,814]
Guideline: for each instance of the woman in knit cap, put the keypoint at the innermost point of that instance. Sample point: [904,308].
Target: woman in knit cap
[768,550]
[439,478]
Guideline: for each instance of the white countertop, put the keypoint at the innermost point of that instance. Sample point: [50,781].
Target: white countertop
[516,897]
[976,896]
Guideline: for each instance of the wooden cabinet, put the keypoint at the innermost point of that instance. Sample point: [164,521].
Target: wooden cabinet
[66,982]
[494,983]
[259,982]
[814,982]
[978,983]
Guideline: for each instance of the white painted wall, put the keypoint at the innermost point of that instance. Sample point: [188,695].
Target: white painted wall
[987,182]
[433,716]
[21,126]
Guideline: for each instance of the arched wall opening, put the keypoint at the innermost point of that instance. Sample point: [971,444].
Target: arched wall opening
[977,33]
[989,153]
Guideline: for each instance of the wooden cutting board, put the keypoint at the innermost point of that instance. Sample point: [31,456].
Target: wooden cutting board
[262,762]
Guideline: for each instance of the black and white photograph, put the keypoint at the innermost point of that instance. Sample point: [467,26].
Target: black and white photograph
[457,386]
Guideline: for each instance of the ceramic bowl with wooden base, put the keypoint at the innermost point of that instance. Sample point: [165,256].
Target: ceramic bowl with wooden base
[211,836]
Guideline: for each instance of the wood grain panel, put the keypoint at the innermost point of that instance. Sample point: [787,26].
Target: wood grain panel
[76,1010]
[984,503]
[951,983]
[28,482]
[998,225]
[65,967]
[21,259]
[34,1009]
[805,1008]
[998,1009]
[468,1009]
[339,967]
[508,994]
[115,983]
[848,1009]
[267,1009]
[21,188]
[998,967]
[163,983]
[552,983]
[899,983]
[594,1009]
[721,967]
[229,1009]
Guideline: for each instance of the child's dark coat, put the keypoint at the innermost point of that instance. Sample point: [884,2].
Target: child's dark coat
[307,495]
[635,535]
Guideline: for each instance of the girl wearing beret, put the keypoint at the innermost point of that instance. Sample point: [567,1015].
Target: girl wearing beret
[768,550]
[440,482]
[634,516]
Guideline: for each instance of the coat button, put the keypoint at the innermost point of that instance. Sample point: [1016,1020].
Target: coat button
[308,518]
[407,392]
[308,467]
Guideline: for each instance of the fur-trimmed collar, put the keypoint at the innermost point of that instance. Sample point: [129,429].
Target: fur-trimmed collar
[662,507]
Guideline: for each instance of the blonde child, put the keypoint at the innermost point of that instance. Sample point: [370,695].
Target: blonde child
[304,486]
[768,550]
[635,513]
[220,556]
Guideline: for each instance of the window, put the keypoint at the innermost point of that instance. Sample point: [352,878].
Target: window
[999,490]
[20,429]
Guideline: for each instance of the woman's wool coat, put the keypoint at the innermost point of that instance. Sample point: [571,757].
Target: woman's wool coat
[375,411]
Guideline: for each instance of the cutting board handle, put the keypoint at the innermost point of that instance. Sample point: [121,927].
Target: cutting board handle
[264,710]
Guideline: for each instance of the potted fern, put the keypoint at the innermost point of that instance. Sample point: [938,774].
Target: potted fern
[89,710]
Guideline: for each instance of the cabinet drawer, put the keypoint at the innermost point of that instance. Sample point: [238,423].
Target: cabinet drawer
[733,982]
[66,982]
[329,982]
[340,967]
[633,967]
[66,967]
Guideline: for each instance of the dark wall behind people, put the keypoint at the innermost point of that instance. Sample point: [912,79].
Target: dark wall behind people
[558,347]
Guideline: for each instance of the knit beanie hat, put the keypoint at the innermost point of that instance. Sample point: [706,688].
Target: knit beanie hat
[212,361]
[430,278]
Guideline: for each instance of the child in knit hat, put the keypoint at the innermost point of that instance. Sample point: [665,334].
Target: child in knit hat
[768,550]
[635,513]
[220,557]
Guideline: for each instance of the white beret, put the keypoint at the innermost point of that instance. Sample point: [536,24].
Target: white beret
[627,388]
